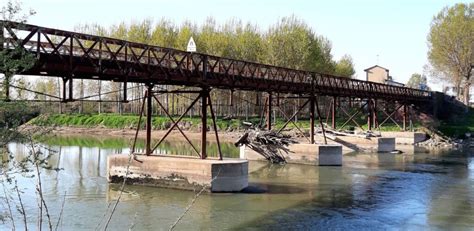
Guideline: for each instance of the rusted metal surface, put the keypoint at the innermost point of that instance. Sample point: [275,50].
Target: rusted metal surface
[311,119]
[269,111]
[333,112]
[81,56]
[173,121]
[204,98]
[320,120]
[214,125]
[148,119]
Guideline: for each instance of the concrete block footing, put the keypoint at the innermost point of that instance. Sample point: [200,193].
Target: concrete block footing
[297,154]
[385,144]
[228,175]
[330,155]
[406,137]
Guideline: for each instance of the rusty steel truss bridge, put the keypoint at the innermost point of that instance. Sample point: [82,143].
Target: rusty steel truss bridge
[70,55]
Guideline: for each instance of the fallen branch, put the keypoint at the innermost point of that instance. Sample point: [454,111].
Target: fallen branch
[270,144]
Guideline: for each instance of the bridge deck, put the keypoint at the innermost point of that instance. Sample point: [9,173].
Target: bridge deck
[76,55]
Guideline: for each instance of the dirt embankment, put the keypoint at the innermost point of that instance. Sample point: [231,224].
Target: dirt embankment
[130,133]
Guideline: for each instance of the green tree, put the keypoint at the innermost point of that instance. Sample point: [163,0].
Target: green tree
[289,42]
[248,44]
[185,31]
[418,81]
[210,39]
[17,60]
[451,46]
[140,32]
[320,57]
[164,34]
[345,67]
[22,84]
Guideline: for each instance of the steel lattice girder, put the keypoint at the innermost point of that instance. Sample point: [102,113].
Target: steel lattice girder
[69,54]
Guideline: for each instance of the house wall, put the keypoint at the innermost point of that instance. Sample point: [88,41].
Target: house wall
[377,74]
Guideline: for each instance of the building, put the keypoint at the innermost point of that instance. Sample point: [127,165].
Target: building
[380,74]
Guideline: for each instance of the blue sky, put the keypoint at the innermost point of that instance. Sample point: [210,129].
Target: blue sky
[393,31]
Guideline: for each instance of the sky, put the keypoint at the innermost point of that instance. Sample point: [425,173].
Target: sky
[388,33]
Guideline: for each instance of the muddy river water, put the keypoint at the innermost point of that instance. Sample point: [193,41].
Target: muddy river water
[411,191]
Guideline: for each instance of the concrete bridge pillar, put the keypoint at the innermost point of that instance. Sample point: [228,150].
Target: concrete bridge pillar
[330,155]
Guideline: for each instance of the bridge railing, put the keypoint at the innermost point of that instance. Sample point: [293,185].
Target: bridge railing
[114,56]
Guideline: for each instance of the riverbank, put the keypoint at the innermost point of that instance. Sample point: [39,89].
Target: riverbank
[125,121]
[127,133]
[461,126]
[230,129]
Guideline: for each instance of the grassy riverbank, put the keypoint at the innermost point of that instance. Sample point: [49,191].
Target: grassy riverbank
[459,126]
[116,121]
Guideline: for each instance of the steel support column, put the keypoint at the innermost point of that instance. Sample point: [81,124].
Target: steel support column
[333,112]
[269,112]
[71,91]
[204,96]
[2,35]
[320,121]
[124,100]
[64,89]
[148,118]
[374,113]
[231,104]
[311,118]
[213,116]
[369,114]
[139,121]
[404,114]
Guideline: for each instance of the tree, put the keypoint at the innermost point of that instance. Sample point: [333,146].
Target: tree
[418,81]
[320,57]
[22,84]
[164,34]
[93,86]
[345,67]
[451,45]
[13,61]
[289,43]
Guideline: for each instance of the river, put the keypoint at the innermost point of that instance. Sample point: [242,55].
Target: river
[425,190]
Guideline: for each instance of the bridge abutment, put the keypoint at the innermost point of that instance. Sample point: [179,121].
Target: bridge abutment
[228,175]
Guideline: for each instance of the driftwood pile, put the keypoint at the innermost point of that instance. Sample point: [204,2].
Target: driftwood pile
[438,139]
[270,144]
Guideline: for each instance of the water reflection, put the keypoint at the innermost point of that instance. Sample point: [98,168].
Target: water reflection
[371,191]
[122,145]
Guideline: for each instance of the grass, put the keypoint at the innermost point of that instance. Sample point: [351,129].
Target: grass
[123,121]
[116,121]
[458,127]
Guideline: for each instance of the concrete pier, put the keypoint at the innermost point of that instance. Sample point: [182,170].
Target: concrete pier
[371,144]
[330,155]
[228,175]
[406,137]
[385,144]
[298,153]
